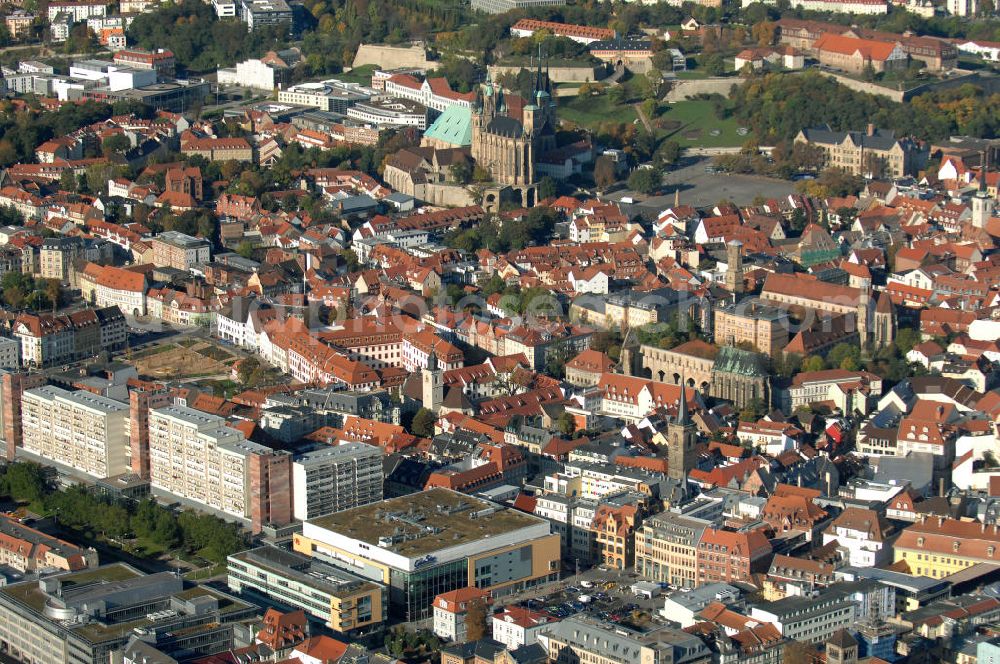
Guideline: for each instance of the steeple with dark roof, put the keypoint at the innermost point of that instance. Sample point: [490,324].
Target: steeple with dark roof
[682,407]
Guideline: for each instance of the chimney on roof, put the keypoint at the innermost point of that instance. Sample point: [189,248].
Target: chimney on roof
[871,129]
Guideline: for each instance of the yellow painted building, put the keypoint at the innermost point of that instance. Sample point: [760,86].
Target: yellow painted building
[938,547]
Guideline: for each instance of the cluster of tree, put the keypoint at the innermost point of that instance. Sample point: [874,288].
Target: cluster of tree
[608,342]
[422,423]
[889,362]
[677,330]
[251,372]
[645,180]
[252,180]
[832,182]
[536,229]
[551,46]
[775,107]
[338,28]
[80,509]
[22,291]
[199,223]
[404,644]
[23,130]
[536,300]
[463,74]
[199,41]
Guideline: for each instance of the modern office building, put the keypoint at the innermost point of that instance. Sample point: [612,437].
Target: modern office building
[78,431]
[333,479]
[427,543]
[83,617]
[390,113]
[666,549]
[344,602]
[257,13]
[329,95]
[195,457]
[177,250]
[10,353]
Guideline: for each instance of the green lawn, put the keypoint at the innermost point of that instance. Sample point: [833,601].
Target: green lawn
[699,124]
[362,75]
[590,111]
[691,74]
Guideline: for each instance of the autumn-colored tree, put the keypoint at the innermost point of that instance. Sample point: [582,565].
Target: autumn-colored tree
[813,363]
[796,652]
[764,33]
[475,620]
[604,172]
[423,423]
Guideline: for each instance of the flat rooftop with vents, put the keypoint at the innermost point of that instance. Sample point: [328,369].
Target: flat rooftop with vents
[437,521]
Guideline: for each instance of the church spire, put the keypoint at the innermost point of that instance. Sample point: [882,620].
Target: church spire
[538,72]
[983,171]
[501,103]
[682,407]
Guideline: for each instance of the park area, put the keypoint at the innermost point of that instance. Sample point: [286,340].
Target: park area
[692,122]
[191,358]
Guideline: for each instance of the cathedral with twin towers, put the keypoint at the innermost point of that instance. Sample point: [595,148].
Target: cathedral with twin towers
[507,143]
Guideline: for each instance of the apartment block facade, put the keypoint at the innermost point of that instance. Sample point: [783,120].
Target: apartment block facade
[334,479]
[196,457]
[85,432]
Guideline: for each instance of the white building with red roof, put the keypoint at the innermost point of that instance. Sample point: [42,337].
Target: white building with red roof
[433,93]
[517,626]
[451,609]
[583,34]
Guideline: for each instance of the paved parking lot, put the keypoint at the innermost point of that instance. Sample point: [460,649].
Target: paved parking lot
[701,189]
[610,592]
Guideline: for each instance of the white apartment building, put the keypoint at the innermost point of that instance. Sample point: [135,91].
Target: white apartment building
[333,479]
[224,8]
[196,457]
[863,534]
[79,11]
[593,481]
[848,7]
[389,113]
[517,626]
[252,73]
[962,7]
[80,430]
[432,93]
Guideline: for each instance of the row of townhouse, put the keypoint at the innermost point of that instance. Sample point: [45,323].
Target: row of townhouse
[48,339]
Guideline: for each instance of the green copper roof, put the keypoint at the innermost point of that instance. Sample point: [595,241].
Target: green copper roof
[738,361]
[454,126]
